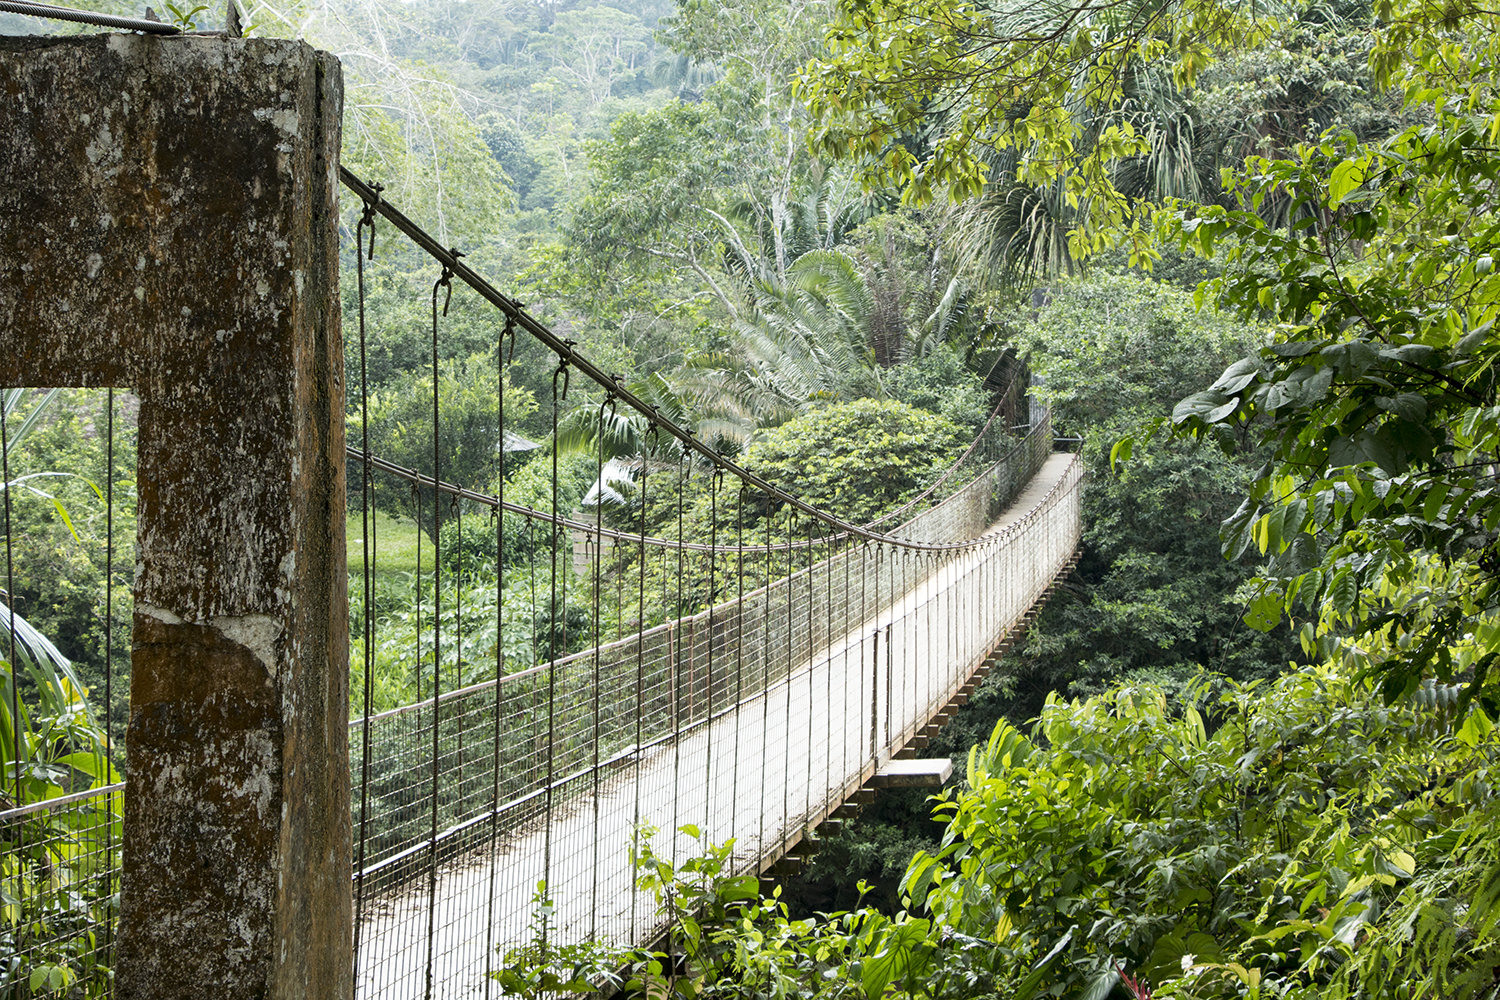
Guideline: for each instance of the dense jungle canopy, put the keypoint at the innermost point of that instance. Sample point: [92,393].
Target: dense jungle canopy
[1249,251]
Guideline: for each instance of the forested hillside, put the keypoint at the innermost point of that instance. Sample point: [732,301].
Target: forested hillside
[1248,252]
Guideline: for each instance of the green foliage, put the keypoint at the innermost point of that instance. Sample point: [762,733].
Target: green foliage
[1062,128]
[1152,591]
[593,49]
[1114,349]
[864,863]
[1005,78]
[939,383]
[696,203]
[726,941]
[540,969]
[805,340]
[401,430]
[489,620]
[532,486]
[839,324]
[57,900]
[860,458]
[59,527]
[51,745]
[1313,73]
[485,625]
[900,255]
[1288,831]
[184,18]
[658,203]
[1376,395]
[1151,598]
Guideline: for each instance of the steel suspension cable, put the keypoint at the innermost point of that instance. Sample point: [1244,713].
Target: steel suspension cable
[640,697]
[675,686]
[367,521]
[825,645]
[811,669]
[30,8]
[497,719]
[107,877]
[791,610]
[562,374]
[739,653]
[597,566]
[437,615]
[564,349]
[420,479]
[765,702]
[715,481]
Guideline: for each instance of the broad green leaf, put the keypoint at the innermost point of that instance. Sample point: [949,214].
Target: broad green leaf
[1027,988]
[1347,176]
[1436,497]
[1237,376]
[1476,727]
[1264,613]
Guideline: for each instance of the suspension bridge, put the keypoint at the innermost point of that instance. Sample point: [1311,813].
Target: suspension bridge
[749,675]
[754,719]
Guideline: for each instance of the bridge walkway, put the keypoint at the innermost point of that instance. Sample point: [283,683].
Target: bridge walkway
[761,772]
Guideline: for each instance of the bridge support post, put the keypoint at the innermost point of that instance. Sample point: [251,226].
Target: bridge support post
[168,223]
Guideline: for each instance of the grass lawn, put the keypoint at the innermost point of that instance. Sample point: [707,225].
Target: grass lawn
[396,545]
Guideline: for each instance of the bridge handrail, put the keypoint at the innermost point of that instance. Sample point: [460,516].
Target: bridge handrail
[713,626]
[1004,405]
[1041,432]
[681,623]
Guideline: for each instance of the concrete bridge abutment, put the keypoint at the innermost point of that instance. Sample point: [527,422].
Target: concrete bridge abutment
[168,223]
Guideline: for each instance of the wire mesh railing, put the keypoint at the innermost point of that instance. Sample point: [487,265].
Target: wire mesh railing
[820,677]
[59,885]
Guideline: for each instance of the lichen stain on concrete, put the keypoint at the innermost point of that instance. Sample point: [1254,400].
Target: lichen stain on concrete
[257,633]
[203,710]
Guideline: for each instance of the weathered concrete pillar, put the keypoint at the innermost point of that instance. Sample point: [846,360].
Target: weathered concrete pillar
[168,223]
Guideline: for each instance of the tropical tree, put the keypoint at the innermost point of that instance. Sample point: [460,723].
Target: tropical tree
[656,202]
[859,458]
[51,742]
[1377,264]
[1058,128]
[805,341]
[1377,395]
[594,48]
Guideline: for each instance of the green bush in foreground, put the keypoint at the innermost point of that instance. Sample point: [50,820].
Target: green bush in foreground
[1299,838]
